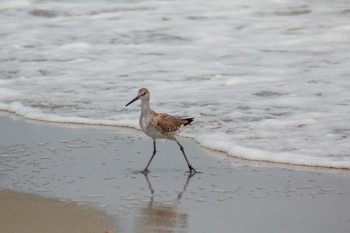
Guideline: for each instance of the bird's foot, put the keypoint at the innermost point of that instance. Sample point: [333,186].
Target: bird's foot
[192,170]
[145,172]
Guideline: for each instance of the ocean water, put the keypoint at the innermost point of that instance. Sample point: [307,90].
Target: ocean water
[264,80]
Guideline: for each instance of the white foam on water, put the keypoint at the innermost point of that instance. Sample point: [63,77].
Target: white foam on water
[263,80]
[36,114]
[14,4]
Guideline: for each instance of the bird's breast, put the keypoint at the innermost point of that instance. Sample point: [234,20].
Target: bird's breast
[143,121]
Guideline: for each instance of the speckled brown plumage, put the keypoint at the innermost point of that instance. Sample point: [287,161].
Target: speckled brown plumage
[167,123]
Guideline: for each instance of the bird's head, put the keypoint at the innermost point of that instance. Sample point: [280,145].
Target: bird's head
[143,94]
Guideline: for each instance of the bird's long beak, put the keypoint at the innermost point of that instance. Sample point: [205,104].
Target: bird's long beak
[133,100]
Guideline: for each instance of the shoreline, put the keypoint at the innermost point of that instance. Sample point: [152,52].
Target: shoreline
[208,150]
[95,166]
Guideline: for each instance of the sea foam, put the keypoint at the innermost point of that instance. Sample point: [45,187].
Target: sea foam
[261,81]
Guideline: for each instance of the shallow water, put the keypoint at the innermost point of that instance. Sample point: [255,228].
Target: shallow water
[263,80]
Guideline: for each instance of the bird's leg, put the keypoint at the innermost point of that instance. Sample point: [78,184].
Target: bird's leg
[145,171]
[183,152]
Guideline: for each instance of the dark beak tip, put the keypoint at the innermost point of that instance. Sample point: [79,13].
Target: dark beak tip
[136,98]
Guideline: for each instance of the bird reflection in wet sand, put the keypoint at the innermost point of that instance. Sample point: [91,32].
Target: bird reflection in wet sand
[162,217]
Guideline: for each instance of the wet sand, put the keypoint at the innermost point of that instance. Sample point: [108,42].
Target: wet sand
[97,167]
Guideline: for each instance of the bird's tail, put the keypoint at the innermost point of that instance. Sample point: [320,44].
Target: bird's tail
[187,121]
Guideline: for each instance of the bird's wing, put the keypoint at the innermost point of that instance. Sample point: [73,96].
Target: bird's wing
[166,123]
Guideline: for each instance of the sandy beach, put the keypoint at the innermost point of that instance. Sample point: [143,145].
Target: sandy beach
[91,172]
[32,214]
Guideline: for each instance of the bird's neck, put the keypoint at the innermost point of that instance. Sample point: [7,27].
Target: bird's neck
[144,105]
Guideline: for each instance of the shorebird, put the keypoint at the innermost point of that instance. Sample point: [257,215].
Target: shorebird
[159,125]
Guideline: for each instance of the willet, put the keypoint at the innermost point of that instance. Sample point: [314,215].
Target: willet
[159,125]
